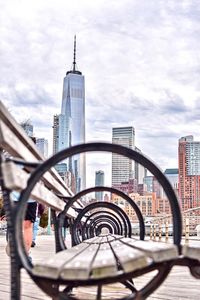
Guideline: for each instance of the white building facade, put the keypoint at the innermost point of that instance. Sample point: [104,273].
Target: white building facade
[123,169]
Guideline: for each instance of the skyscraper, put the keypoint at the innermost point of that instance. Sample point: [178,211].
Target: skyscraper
[123,169]
[61,127]
[99,181]
[140,171]
[189,172]
[172,175]
[69,126]
[28,127]
[42,145]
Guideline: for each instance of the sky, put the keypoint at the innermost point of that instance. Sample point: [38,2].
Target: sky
[140,59]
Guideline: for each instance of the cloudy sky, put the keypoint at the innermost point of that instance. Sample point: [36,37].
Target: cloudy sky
[140,58]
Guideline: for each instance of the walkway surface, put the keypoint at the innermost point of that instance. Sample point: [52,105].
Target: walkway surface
[179,284]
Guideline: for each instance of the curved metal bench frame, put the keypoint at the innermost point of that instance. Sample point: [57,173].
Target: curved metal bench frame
[115,208]
[73,199]
[163,268]
[102,213]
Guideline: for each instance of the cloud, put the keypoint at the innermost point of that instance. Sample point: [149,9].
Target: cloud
[140,60]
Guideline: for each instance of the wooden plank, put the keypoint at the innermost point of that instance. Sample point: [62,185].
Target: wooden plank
[130,259]
[110,238]
[104,263]
[53,267]
[191,251]
[14,129]
[80,266]
[94,240]
[16,179]
[17,130]
[156,250]
[10,142]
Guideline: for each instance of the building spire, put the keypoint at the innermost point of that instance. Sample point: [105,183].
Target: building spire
[74,61]
[74,68]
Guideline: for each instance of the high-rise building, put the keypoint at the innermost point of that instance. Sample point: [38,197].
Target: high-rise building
[123,168]
[140,171]
[172,175]
[60,133]
[99,181]
[69,126]
[189,172]
[42,145]
[148,181]
[28,127]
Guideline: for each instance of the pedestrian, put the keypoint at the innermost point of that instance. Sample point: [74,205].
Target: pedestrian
[39,212]
[29,219]
[65,226]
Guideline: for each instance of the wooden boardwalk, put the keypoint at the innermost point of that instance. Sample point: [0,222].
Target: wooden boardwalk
[179,284]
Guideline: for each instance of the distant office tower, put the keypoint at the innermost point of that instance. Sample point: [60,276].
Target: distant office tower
[172,175]
[189,172]
[122,167]
[148,181]
[140,171]
[28,127]
[61,134]
[42,145]
[99,181]
[69,126]
[55,133]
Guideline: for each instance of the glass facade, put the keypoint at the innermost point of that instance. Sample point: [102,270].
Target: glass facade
[42,145]
[69,126]
[73,110]
[99,181]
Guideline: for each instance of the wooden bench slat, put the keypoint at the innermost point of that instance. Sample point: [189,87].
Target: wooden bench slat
[18,131]
[111,238]
[130,259]
[16,179]
[104,263]
[94,240]
[80,266]
[158,251]
[191,251]
[53,266]
[14,146]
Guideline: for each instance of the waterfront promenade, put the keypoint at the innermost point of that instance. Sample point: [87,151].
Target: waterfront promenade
[179,285]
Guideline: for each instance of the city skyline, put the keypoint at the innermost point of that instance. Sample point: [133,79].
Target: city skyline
[140,62]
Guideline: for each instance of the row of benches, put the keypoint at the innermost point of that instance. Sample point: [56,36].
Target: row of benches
[103,250]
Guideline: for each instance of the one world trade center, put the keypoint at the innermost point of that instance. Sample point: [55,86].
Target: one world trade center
[73,112]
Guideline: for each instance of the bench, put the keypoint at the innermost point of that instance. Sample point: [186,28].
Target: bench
[103,250]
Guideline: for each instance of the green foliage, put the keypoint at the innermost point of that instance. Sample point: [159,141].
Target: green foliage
[44,220]
[2,212]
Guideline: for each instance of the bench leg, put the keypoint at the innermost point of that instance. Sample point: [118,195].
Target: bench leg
[15,279]
[99,292]
[15,272]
